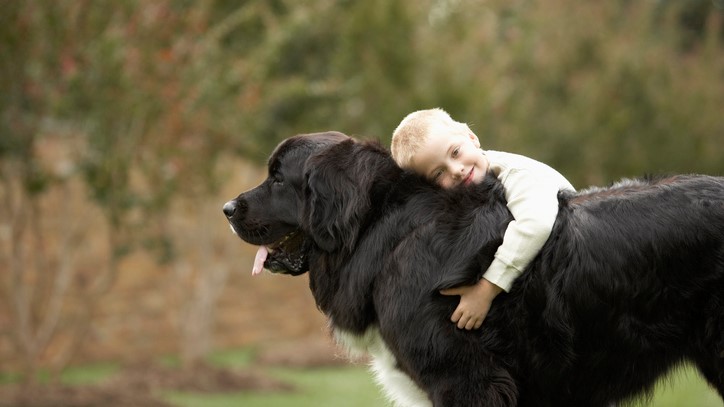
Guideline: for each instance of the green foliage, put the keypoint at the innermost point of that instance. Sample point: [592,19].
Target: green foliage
[600,90]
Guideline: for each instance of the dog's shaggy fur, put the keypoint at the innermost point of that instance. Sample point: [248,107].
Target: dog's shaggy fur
[629,285]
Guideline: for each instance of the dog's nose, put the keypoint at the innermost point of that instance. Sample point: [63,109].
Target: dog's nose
[229,209]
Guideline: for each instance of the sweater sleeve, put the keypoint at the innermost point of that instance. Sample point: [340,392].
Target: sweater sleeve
[533,202]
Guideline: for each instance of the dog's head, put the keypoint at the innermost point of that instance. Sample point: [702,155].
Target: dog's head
[269,215]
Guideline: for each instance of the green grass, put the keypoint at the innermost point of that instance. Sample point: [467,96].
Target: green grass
[89,374]
[348,386]
[75,375]
[233,357]
[351,386]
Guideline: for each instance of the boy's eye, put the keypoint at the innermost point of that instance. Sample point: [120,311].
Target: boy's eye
[455,152]
[436,175]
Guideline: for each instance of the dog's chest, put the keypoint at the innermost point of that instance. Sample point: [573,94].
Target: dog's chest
[397,386]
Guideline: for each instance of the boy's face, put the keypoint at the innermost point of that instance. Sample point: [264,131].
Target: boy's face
[451,159]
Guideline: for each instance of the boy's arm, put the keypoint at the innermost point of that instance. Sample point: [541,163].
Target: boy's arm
[533,202]
[532,198]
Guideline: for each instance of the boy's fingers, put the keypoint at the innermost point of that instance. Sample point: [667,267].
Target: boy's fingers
[462,323]
[456,315]
[471,324]
[462,320]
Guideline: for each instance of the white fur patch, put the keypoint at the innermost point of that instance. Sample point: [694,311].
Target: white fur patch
[397,386]
[623,183]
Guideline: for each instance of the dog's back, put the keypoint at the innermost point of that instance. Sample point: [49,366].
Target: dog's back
[632,279]
[629,284]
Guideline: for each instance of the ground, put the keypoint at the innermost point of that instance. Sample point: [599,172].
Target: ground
[140,384]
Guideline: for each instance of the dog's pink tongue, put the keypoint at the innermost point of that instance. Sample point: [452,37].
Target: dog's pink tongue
[259,260]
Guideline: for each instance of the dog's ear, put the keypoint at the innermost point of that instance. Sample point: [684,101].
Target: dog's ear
[336,197]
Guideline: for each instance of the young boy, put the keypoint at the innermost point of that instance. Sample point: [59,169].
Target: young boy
[447,152]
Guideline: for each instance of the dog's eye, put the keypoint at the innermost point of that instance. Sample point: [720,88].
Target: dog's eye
[278,179]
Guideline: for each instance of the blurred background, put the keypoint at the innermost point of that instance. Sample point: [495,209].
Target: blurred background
[125,125]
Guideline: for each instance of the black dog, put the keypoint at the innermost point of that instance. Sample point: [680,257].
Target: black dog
[629,284]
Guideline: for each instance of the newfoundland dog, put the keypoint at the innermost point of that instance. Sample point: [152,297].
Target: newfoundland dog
[629,285]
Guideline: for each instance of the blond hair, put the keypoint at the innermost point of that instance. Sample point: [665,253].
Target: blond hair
[413,130]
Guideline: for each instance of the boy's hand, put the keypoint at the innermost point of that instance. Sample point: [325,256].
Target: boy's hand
[474,304]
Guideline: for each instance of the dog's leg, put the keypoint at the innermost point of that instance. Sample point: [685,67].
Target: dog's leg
[708,356]
[398,387]
[497,389]
[712,368]
[713,372]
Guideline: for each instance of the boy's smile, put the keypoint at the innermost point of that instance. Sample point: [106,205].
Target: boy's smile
[451,159]
[469,178]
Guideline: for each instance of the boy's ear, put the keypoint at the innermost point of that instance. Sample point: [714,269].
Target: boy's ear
[475,139]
